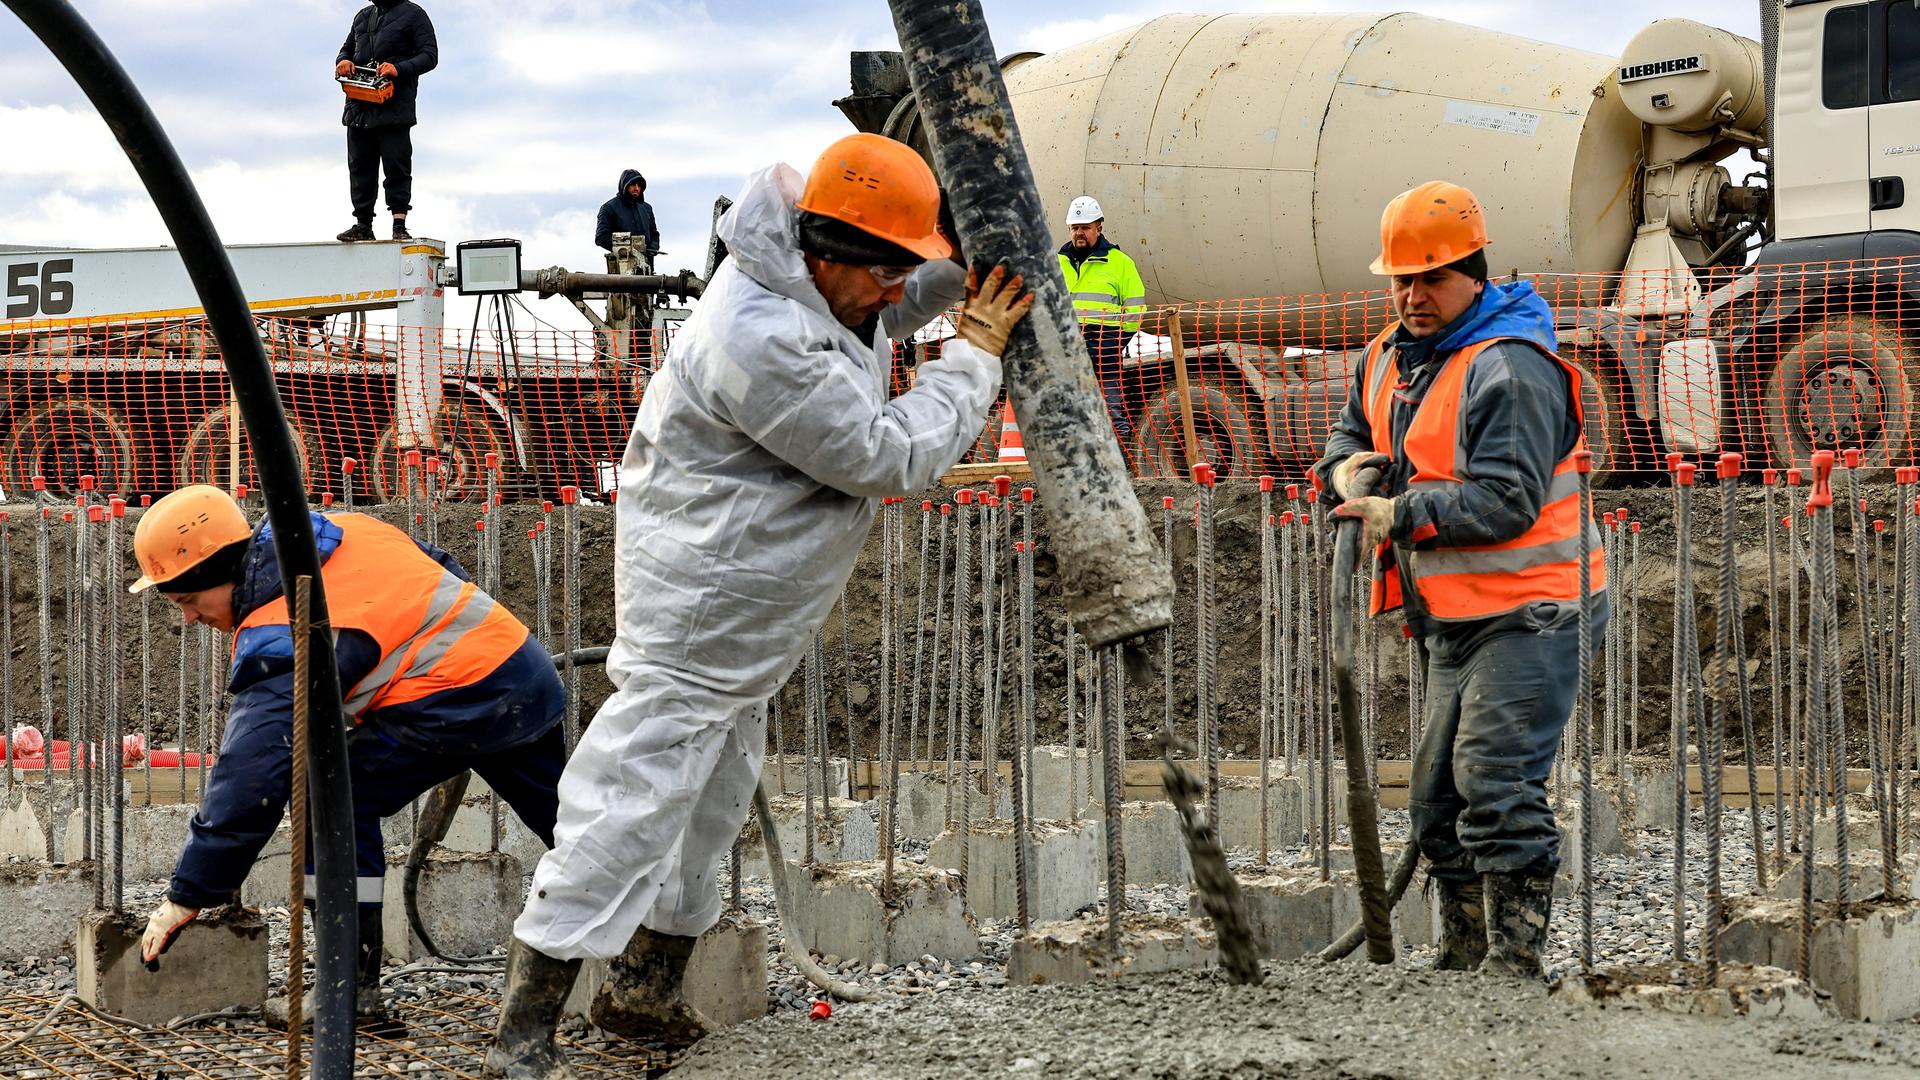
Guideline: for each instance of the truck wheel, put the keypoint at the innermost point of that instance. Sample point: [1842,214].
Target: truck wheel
[463,437]
[1843,384]
[66,438]
[1222,423]
[1600,405]
[203,456]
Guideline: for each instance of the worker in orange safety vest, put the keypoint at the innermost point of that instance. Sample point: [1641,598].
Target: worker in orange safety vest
[1474,420]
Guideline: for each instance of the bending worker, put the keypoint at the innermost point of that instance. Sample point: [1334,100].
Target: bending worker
[439,679]
[1474,421]
[747,488]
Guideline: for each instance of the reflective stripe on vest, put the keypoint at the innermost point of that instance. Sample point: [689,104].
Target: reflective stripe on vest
[1093,287]
[435,631]
[1466,583]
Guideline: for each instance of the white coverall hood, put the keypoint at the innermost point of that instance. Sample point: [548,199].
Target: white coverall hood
[748,485]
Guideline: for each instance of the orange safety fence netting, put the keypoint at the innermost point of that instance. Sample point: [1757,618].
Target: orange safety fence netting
[1772,361]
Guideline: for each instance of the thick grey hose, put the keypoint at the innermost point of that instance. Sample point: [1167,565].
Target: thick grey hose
[1113,583]
[1397,880]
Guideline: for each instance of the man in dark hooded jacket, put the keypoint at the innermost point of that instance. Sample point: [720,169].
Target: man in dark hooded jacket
[628,212]
[396,37]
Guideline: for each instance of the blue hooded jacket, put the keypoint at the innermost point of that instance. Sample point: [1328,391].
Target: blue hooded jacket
[1519,418]
[247,792]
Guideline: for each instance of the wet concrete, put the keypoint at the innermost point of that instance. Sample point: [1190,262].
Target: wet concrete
[1307,1020]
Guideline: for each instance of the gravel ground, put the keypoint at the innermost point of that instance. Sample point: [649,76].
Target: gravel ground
[948,1018]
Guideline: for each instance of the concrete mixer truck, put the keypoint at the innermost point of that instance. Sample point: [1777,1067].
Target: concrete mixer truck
[1243,160]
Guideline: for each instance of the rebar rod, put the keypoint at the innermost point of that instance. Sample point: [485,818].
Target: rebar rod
[112,753]
[927,523]
[1827,575]
[1680,696]
[1266,668]
[887,524]
[956,685]
[1731,601]
[1796,696]
[1583,705]
[43,577]
[570,610]
[146,690]
[1769,479]
[1870,660]
[1072,648]
[297,822]
[1911,683]
[1711,731]
[811,682]
[1022,804]
[1113,792]
[1323,636]
[963,682]
[1028,720]
[1206,658]
[935,658]
[1284,663]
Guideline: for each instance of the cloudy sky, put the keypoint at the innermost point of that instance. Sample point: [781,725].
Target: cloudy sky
[535,109]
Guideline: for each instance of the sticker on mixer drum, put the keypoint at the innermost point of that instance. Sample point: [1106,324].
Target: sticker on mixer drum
[1473,114]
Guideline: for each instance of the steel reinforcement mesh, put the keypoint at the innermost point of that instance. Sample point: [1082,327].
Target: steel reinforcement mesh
[1774,362]
[446,1036]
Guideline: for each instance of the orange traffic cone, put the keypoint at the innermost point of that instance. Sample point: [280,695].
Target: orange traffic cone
[1011,448]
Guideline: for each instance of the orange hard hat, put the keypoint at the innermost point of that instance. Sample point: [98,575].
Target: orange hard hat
[882,188]
[182,530]
[1433,225]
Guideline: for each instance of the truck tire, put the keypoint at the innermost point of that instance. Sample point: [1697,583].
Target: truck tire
[1600,406]
[1223,422]
[203,455]
[66,438]
[1846,382]
[464,435]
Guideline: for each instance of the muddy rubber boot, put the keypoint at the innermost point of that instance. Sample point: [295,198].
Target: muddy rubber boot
[1518,906]
[1463,924]
[367,1003]
[361,230]
[400,229]
[642,997]
[523,1045]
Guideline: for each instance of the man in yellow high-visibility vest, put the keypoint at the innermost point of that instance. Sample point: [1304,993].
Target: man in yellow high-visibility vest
[1110,300]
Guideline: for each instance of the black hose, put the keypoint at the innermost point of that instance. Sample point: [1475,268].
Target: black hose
[107,85]
[1363,817]
[592,654]
[436,817]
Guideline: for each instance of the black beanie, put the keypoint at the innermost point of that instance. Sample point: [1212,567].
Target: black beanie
[1474,265]
[836,241]
[220,568]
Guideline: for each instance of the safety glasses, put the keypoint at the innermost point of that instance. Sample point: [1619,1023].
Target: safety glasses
[889,276]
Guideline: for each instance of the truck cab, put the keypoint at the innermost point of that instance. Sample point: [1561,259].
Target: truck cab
[1846,138]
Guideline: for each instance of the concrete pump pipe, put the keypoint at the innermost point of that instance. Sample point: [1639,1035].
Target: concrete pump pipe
[1113,581]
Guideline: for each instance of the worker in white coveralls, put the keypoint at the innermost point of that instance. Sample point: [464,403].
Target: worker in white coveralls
[747,488]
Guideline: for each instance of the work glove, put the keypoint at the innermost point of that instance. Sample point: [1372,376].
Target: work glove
[163,926]
[1346,475]
[991,309]
[1372,509]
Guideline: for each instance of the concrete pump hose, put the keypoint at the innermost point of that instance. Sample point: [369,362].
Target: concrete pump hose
[1115,585]
[436,817]
[1402,873]
[792,939]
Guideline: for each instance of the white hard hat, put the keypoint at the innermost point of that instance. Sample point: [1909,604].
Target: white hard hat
[1083,210]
